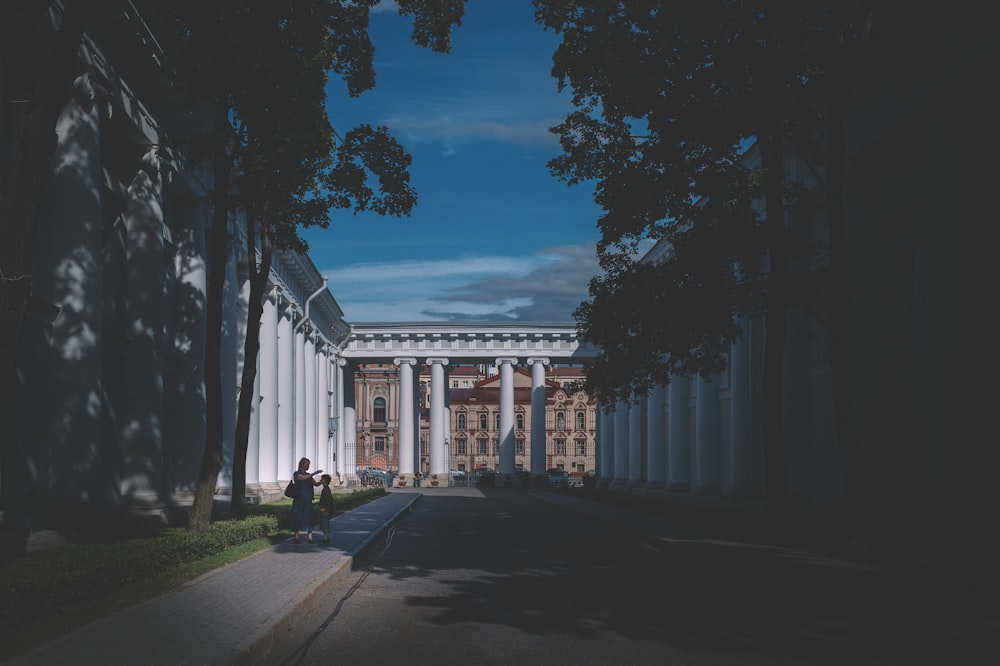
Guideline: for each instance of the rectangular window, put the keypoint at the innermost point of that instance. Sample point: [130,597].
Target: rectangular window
[560,447]
[581,447]
[482,447]
[380,443]
[519,447]
[460,447]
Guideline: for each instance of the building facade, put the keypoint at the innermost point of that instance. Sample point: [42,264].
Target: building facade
[111,388]
[474,419]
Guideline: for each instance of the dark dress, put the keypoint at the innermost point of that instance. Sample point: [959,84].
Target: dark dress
[302,505]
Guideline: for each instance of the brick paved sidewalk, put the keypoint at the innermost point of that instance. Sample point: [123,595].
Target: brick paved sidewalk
[228,613]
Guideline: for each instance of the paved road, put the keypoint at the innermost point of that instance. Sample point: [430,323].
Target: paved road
[504,577]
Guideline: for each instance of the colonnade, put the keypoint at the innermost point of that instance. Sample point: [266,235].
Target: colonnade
[694,435]
[440,414]
[297,379]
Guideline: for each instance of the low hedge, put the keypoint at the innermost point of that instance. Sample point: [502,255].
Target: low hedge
[34,586]
[47,582]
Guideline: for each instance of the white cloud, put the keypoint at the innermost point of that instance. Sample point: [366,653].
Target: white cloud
[386,7]
[546,286]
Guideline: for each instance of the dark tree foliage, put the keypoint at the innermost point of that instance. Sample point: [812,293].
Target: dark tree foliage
[669,96]
[266,64]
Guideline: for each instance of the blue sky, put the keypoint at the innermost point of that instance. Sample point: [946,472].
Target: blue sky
[494,237]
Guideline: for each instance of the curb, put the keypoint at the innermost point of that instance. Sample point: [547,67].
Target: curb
[260,643]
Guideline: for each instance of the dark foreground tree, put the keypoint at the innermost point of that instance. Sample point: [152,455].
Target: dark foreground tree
[265,66]
[669,95]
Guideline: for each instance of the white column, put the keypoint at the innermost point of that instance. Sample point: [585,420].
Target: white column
[251,463]
[309,393]
[636,456]
[286,392]
[299,396]
[707,437]
[407,402]
[740,469]
[446,448]
[416,421]
[605,446]
[268,376]
[656,441]
[679,447]
[323,459]
[142,424]
[68,271]
[538,416]
[349,423]
[621,444]
[506,367]
[253,436]
[189,408]
[339,415]
[439,387]
[231,349]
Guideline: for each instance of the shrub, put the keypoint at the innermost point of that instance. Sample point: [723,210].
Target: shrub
[32,587]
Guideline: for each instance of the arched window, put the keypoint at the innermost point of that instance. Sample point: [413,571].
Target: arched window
[520,421]
[498,420]
[581,420]
[378,410]
[482,421]
[461,421]
[560,421]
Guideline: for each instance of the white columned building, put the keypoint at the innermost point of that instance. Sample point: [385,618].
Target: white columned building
[443,346]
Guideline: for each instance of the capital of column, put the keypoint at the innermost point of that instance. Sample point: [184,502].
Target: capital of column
[532,360]
[506,359]
[402,361]
[342,362]
[272,295]
[437,360]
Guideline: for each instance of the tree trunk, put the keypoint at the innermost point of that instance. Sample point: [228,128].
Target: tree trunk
[211,461]
[775,319]
[251,350]
[31,108]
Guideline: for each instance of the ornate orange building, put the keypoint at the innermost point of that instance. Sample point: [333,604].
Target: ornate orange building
[474,423]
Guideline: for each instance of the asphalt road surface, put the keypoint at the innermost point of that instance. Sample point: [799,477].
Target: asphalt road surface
[501,577]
